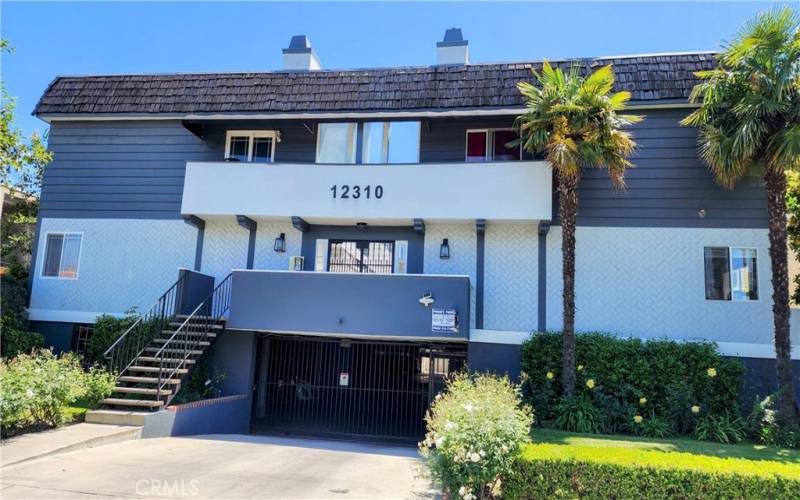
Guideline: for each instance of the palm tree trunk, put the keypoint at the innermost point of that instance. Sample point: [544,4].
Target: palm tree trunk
[568,209]
[775,181]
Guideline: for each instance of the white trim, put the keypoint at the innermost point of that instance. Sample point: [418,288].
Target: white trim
[251,135]
[354,274]
[63,316]
[498,336]
[735,349]
[309,115]
[64,235]
[408,338]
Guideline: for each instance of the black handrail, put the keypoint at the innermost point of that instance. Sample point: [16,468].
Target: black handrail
[130,345]
[178,349]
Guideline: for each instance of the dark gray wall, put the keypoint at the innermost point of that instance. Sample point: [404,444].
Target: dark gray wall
[136,169]
[416,242]
[501,359]
[120,169]
[362,304]
[56,335]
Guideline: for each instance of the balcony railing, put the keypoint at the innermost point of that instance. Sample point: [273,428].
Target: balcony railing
[351,304]
[520,190]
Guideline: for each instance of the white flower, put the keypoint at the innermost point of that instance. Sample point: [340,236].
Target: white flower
[469,407]
[449,426]
[475,457]
[482,453]
[469,496]
[30,393]
[440,442]
[438,396]
[462,491]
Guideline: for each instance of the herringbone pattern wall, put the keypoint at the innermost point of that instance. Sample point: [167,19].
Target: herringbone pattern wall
[649,283]
[511,287]
[124,263]
[463,248]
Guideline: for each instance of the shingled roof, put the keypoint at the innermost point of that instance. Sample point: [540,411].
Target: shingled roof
[648,78]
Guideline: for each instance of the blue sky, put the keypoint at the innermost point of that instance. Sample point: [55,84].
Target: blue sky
[68,38]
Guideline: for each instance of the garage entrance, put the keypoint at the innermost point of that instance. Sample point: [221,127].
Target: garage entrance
[355,388]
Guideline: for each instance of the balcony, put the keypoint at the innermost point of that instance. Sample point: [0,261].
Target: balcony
[357,305]
[391,194]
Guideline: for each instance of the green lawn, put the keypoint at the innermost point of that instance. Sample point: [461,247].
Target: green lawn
[748,451]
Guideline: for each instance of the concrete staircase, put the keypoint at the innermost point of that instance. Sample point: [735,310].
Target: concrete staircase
[156,374]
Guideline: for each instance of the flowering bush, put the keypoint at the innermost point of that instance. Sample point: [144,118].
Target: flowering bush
[36,388]
[670,385]
[475,430]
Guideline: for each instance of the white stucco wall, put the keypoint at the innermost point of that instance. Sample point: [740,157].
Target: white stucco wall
[123,263]
[649,283]
[511,277]
[463,254]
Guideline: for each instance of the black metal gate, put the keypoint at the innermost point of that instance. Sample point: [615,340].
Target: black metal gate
[361,256]
[377,390]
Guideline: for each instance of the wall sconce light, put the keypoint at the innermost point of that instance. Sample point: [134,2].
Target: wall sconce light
[444,250]
[701,212]
[280,243]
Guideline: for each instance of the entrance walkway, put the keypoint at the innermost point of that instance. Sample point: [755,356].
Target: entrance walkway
[222,466]
[72,437]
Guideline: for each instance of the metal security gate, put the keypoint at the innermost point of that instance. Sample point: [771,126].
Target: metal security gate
[361,256]
[339,387]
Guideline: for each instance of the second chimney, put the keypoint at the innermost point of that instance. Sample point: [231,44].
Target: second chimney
[453,49]
[299,56]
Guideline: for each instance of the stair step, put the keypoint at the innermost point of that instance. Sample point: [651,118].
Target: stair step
[202,343]
[156,369]
[146,380]
[149,359]
[169,333]
[176,351]
[196,325]
[142,390]
[132,402]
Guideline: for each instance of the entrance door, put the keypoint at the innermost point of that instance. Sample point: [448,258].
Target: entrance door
[361,256]
[340,387]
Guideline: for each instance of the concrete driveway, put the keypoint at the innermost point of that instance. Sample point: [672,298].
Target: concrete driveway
[222,466]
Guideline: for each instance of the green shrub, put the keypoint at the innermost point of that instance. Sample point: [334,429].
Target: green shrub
[107,329]
[474,432]
[37,388]
[761,425]
[651,426]
[202,383]
[553,471]
[16,342]
[577,414]
[723,428]
[671,376]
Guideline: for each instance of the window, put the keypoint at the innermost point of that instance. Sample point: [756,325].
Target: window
[61,255]
[336,143]
[730,273]
[390,142]
[381,142]
[257,146]
[490,145]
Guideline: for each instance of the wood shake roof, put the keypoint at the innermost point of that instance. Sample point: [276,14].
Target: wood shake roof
[648,78]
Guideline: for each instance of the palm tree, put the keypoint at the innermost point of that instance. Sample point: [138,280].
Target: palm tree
[574,122]
[749,125]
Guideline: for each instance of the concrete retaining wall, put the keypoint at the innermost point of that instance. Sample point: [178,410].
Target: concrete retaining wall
[225,415]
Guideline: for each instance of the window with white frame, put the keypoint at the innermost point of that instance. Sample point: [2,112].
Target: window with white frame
[336,143]
[731,273]
[256,146]
[491,145]
[62,252]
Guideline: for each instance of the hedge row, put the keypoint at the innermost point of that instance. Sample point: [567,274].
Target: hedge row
[547,471]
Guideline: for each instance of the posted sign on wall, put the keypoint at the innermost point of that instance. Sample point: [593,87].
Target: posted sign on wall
[444,321]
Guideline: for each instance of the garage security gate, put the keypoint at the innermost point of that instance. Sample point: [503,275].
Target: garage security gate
[343,387]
